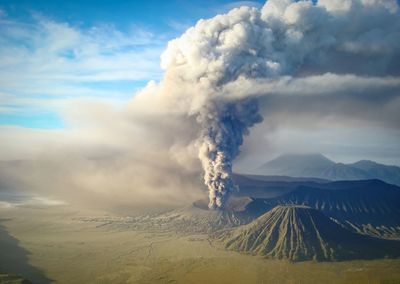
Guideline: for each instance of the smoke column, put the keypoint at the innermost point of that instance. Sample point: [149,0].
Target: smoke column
[208,56]
[223,127]
[207,68]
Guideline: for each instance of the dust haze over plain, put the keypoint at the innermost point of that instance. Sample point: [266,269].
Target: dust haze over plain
[289,63]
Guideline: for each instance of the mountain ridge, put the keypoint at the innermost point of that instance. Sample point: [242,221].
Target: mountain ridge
[370,207]
[319,166]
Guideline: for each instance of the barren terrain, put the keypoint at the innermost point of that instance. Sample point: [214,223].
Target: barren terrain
[66,245]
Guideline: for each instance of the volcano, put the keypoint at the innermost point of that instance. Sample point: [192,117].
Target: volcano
[299,233]
[370,207]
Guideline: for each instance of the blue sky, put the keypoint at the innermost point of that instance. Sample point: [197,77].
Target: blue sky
[55,52]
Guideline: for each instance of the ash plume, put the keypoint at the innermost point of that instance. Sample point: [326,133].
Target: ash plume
[207,66]
[303,64]
[223,126]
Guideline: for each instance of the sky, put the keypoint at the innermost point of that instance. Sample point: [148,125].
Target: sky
[53,52]
[57,54]
[158,101]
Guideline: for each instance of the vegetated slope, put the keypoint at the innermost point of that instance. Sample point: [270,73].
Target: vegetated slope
[318,166]
[370,207]
[301,233]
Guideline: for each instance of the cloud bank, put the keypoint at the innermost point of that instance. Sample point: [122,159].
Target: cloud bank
[45,63]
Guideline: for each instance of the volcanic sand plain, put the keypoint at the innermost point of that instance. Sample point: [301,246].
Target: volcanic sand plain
[66,245]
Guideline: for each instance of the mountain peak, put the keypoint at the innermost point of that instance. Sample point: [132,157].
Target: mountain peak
[319,166]
[304,156]
[289,163]
[297,233]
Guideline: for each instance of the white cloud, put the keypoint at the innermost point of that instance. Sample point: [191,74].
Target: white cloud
[238,4]
[45,59]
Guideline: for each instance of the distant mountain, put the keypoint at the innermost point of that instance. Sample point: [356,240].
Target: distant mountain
[301,233]
[318,166]
[370,207]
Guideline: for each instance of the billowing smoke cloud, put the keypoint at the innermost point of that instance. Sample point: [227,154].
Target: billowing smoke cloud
[209,65]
